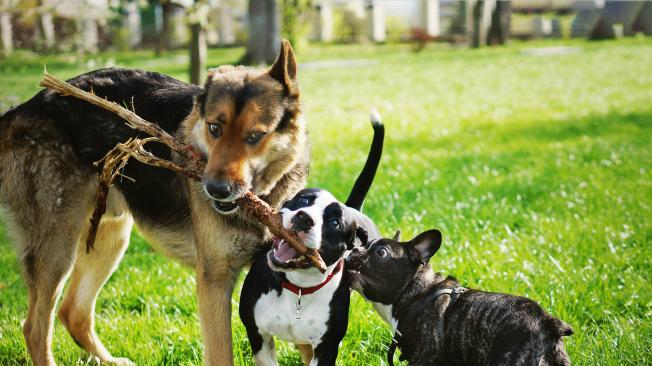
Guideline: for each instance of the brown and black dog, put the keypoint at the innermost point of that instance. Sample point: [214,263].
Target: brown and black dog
[247,122]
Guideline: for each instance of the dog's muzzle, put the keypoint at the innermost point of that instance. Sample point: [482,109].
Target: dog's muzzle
[225,207]
[223,194]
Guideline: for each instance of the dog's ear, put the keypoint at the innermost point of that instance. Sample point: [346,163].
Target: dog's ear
[361,234]
[284,69]
[397,236]
[425,245]
[200,102]
[350,242]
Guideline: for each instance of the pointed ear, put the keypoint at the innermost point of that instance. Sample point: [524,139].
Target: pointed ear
[397,236]
[361,234]
[284,69]
[350,243]
[425,245]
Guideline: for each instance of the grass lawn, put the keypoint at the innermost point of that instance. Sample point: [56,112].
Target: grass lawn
[537,170]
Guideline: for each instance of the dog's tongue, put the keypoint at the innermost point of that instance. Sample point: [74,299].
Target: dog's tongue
[285,252]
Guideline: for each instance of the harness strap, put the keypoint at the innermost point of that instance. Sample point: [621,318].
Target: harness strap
[454,294]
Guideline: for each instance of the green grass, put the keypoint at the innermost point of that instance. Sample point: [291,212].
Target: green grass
[538,171]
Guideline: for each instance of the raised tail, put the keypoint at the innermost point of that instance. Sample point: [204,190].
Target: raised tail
[366,177]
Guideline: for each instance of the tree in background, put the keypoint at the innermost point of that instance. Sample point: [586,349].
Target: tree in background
[294,16]
[44,36]
[264,32]
[6,32]
[198,18]
[163,39]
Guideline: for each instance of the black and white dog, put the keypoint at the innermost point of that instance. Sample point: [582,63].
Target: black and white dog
[284,296]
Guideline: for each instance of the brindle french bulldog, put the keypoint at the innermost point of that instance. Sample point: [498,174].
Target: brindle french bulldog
[437,322]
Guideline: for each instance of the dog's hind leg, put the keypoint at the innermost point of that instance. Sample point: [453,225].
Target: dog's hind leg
[306,353]
[91,270]
[45,273]
[47,243]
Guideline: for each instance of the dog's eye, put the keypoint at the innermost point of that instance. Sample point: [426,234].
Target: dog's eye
[335,223]
[382,252]
[255,137]
[215,129]
[304,200]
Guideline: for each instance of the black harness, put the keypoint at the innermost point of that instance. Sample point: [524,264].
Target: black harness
[416,310]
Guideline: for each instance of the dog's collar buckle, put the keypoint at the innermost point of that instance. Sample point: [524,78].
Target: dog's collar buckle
[298,305]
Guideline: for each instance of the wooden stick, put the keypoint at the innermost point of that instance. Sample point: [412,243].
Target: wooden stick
[195,159]
[193,167]
[271,218]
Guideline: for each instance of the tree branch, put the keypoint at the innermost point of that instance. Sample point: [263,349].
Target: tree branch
[193,166]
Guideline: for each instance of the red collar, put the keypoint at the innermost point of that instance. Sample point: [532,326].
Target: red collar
[309,290]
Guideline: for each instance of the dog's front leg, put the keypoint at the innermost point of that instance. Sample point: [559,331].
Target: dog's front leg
[215,281]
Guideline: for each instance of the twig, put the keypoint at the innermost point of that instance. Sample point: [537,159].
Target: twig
[195,160]
[271,218]
[193,165]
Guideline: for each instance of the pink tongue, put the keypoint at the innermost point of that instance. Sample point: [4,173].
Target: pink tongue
[285,252]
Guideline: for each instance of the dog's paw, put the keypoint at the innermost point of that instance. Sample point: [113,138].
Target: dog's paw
[121,361]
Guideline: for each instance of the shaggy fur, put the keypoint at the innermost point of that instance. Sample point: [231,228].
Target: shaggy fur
[48,182]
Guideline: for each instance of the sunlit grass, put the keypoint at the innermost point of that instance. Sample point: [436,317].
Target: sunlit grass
[536,169]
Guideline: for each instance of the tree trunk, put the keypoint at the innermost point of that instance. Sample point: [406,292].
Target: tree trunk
[163,42]
[264,32]
[501,19]
[473,9]
[87,29]
[46,30]
[197,53]
[6,36]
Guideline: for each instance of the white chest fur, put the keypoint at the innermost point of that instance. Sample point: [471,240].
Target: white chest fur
[276,314]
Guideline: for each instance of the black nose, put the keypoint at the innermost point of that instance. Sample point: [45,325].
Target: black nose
[302,221]
[218,189]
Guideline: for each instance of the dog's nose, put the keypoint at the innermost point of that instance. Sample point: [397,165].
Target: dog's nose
[218,189]
[302,221]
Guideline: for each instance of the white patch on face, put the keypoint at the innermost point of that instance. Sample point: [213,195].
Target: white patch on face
[200,137]
[312,239]
[276,314]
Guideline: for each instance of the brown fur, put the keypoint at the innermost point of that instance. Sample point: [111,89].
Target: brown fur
[47,195]
[306,353]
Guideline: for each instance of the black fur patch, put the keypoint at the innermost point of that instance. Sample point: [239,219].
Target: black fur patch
[306,197]
[157,195]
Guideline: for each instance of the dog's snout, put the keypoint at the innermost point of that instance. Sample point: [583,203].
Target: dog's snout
[302,221]
[218,189]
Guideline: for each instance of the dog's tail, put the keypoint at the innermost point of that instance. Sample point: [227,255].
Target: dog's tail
[366,177]
[556,353]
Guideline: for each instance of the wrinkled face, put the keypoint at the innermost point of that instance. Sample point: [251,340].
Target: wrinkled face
[321,222]
[250,129]
[380,270]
